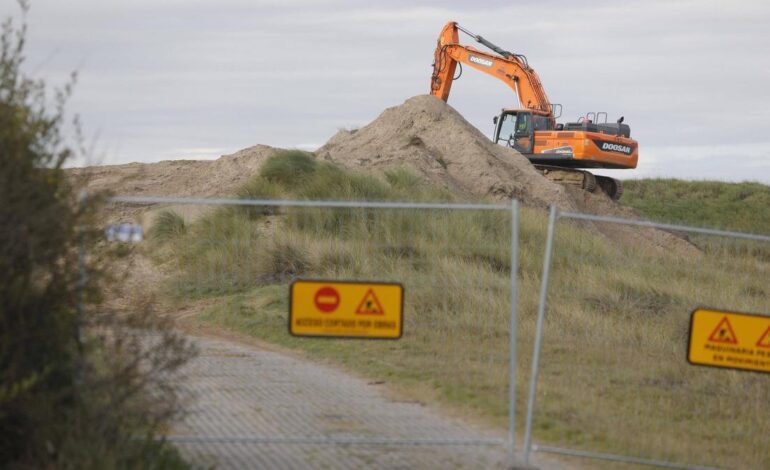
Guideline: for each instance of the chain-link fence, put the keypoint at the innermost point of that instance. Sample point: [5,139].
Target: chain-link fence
[609,368]
[228,266]
[611,380]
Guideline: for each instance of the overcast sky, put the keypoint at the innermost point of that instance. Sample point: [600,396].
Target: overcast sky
[197,79]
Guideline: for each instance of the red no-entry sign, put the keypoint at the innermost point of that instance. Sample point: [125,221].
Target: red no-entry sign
[327,299]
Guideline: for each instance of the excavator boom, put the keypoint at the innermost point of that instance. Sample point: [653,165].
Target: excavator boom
[511,68]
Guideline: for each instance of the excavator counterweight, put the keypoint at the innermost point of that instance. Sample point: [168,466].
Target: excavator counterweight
[557,150]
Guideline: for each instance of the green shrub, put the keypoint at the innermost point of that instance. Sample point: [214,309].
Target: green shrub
[259,188]
[288,166]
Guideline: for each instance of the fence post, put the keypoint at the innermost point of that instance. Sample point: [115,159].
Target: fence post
[539,332]
[514,331]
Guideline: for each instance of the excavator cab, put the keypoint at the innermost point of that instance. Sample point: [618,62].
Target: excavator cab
[553,147]
[516,128]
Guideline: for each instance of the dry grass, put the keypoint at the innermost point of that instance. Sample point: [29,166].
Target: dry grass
[614,379]
[167,225]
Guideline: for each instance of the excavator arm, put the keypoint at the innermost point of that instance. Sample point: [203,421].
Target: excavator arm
[508,67]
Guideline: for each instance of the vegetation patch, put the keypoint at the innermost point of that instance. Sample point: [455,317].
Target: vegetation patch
[167,224]
[730,206]
[614,375]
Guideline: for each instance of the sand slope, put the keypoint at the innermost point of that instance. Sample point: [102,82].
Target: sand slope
[202,178]
[429,136]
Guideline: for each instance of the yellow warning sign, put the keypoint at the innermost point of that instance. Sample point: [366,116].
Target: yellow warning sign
[729,339]
[346,309]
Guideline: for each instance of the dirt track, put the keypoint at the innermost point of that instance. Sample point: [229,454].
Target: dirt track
[242,391]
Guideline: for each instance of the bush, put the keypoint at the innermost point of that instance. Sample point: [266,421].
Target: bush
[288,166]
[81,385]
[258,188]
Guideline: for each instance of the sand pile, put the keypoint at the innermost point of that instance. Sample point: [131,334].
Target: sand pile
[432,138]
[199,178]
[185,178]
[429,136]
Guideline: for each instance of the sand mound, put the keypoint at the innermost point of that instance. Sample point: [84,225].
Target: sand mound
[432,138]
[200,178]
[191,178]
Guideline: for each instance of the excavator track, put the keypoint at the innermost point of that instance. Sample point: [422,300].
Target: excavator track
[610,186]
[582,179]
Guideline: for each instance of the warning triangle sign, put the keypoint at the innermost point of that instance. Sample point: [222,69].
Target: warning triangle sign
[370,305]
[764,340]
[723,333]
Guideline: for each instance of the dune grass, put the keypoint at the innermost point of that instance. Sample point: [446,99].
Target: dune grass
[736,206]
[167,225]
[614,374]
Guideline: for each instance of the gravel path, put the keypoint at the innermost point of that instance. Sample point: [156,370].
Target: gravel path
[240,392]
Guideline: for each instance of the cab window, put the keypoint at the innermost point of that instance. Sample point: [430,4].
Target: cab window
[541,123]
[507,128]
[523,124]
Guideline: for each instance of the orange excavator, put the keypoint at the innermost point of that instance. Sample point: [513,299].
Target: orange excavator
[557,150]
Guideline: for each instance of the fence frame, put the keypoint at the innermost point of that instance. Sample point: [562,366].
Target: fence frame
[512,208]
[554,216]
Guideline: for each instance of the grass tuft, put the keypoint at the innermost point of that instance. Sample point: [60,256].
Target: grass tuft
[168,225]
[402,178]
[288,166]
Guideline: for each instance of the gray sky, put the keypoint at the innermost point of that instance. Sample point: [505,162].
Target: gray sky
[197,79]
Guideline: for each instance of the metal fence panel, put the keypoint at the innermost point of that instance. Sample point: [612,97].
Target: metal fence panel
[613,381]
[234,259]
